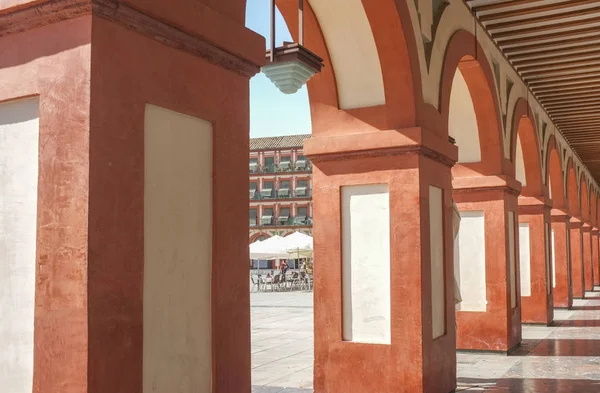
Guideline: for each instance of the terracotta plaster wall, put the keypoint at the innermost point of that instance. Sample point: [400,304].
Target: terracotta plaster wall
[587,258]
[563,295]
[413,362]
[53,63]
[499,328]
[128,71]
[537,308]
[595,258]
[576,258]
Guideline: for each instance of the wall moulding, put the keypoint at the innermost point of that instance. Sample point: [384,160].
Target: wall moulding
[36,14]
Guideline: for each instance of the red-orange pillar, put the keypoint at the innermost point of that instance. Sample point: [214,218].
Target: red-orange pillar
[383,203]
[595,257]
[96,69]
[575,230]
[561,240]
[535,261]
[492,323]
[588,276]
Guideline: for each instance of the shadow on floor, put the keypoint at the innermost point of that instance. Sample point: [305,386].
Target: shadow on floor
[579,323]
[516,385]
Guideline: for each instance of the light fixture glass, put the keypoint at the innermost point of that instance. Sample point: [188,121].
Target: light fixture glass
[292,66]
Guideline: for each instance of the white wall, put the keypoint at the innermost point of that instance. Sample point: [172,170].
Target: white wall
[19,141]
[525,259]
[438,287]
[548,266]
[177,253]
[553,262]
[462,122]
[366,264]
[471,261]
[520,163]
[511,256]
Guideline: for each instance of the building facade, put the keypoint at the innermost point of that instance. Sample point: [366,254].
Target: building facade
[280,187]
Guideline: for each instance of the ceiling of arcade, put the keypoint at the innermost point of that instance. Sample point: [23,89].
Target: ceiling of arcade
[546,52]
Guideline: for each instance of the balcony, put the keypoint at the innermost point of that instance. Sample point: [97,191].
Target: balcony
[282,221]
[282,167]
[280,193]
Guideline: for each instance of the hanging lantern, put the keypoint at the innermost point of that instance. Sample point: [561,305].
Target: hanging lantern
[290,66]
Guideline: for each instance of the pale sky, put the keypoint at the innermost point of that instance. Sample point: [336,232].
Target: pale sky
[273,113]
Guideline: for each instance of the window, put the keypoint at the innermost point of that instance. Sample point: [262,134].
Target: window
[253,187]
[253,215]
[302,188]
[301,215]
[284,189]
[301,162]
[285,163]
[253,164]
[267,189]
[284,215]
[269,164]
[267,216]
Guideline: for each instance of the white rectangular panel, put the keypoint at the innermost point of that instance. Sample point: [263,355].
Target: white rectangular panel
[366,264]
[511,260]
[19,141]
[438,286]
[525,259]
[471,262]
[177,253]
[547,250]
[553,262]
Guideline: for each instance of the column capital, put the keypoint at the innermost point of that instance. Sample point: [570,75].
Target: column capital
[400,142]
[575,223]
[585,227]
[534,205]
[595,231]
[243,56]
[463,185]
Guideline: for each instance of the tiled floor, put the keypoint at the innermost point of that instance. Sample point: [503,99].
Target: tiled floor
[564,358]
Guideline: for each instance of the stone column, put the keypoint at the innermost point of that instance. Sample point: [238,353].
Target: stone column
[561,251]
[383,262]
[535,261]
[588,275]
[140,188]
[595,257]
[576,257]
[489,318]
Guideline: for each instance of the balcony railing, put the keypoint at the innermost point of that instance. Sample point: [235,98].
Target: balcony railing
[280,193]
[282,221]
[282,167]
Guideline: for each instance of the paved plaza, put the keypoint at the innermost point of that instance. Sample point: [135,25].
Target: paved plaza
[564,358]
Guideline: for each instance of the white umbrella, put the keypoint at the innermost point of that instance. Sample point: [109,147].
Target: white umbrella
[272,248]
[299,243]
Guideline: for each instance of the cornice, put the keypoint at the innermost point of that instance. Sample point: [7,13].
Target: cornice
[38,14]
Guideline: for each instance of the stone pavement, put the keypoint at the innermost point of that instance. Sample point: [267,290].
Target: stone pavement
[564,358]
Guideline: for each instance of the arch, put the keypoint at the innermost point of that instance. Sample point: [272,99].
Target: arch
[525,150]
[462,56]
[554,176]
[258,236]
[387,23]
[584,204]
[572,190]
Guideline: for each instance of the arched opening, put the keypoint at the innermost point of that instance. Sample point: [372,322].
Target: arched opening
[585,201]
[572,191]
[525,151]
[366,79]
[555,178]
[469,109]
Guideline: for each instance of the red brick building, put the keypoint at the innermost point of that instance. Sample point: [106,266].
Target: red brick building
[280,187]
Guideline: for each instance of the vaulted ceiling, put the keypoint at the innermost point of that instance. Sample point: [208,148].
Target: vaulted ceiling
[555,46]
